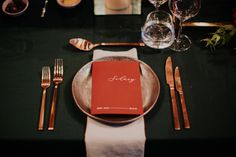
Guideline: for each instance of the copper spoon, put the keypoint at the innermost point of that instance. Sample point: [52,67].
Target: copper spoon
[86,45]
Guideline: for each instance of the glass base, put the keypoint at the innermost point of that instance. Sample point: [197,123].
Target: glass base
[182,44]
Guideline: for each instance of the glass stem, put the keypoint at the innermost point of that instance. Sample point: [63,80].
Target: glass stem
[179,31]
[157,6]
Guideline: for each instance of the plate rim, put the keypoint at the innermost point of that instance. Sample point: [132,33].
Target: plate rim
[121,121]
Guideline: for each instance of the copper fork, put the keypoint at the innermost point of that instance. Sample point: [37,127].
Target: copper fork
[58,78]
[45,83]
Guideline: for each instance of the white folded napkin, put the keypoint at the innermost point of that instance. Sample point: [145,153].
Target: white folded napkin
[103,140]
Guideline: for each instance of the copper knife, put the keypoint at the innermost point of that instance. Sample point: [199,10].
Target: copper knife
[179,88]
[170,82]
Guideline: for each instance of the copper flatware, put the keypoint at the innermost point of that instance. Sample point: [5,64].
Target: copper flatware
[170,82]
[85,45]
[179,88]
[44,8]
[58,78]
[204,24]
[45,83]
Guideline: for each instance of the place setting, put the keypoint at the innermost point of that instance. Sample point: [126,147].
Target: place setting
[117,87]
[116,90]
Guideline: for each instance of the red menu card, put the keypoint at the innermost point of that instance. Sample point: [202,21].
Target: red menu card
[116,88]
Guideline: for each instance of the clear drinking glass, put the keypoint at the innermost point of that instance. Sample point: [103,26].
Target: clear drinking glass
[158,30]
[157,3]
[183,10]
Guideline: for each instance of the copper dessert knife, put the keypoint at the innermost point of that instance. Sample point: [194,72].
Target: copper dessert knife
[179,88]
[170,82]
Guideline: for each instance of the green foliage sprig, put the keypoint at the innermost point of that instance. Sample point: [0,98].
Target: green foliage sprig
[221,37]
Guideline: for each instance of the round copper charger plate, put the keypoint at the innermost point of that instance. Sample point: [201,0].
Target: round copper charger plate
[82,87]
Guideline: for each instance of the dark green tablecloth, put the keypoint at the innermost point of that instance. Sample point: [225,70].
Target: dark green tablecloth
[29,42]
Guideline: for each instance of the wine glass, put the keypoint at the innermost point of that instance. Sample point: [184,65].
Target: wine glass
[158,30]
[157,3]
[183,10]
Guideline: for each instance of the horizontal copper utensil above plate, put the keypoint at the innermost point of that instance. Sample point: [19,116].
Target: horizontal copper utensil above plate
[81,90]
[85,45]
[204,24]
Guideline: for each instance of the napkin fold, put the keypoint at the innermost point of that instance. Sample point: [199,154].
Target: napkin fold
[105,140]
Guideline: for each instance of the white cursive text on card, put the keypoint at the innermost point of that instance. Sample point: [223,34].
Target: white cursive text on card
[121,78]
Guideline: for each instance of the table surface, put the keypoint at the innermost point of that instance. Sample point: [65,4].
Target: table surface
[29,42]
